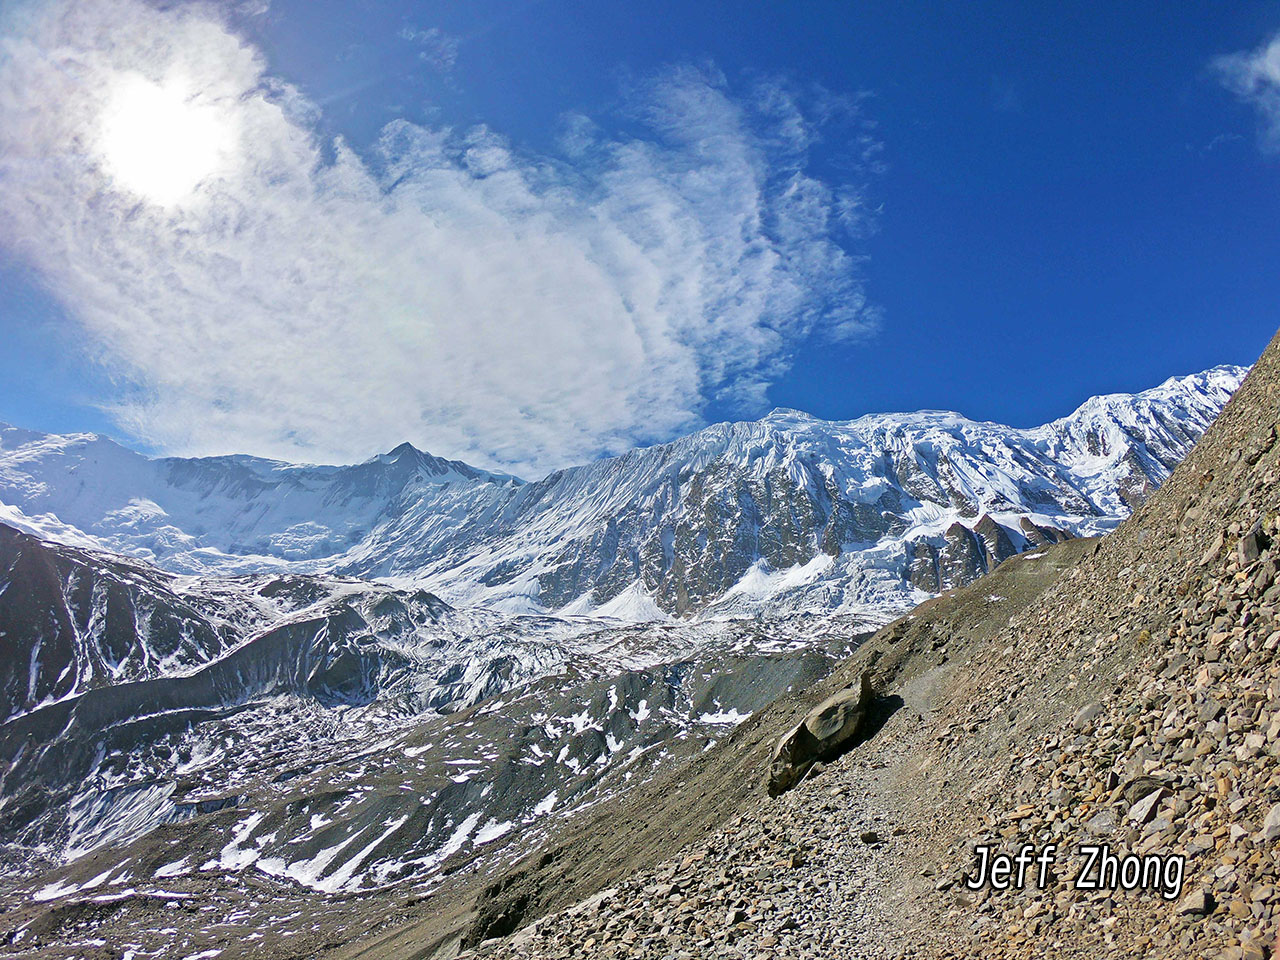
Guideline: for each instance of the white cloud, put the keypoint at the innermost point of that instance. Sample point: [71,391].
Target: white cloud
[1254,76]
[436,47]
[512,310]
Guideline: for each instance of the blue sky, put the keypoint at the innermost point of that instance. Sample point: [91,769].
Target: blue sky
[1051,201]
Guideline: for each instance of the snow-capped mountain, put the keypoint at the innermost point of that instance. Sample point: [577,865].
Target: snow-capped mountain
[333,708]
[234,668]
[788,512]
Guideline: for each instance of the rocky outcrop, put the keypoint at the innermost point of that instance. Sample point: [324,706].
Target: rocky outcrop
[827,731]
[1041,536]
[72,621]
[922,571]
[962,558]
[995,542]
[968,554]
[1135,482]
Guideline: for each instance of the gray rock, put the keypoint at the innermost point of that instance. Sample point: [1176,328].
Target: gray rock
[1271,825]
[1101,824]
[1251,545]
[962,558]
[1144,810]
[1086,715]
[1197,903]
[995,541]
[922,571]
[825,732]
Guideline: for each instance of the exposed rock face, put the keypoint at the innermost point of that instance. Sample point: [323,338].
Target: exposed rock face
[968,554]
[71,621]
[826,732]
[1041,536]
[996,543]
[962,558]
[923,571]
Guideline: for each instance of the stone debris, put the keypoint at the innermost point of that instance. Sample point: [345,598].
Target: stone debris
[793,879]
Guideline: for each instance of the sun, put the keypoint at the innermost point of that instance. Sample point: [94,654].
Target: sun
[159,141]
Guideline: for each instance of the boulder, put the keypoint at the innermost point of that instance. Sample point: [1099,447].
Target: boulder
[1086,715]
[1144,811]
[1252,544]
[1271,826]
[1197,903]
[826,731]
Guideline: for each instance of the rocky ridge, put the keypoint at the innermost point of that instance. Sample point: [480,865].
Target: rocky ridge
[1138,704]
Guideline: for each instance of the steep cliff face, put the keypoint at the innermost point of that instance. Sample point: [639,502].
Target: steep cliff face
[71,621]
[788,512]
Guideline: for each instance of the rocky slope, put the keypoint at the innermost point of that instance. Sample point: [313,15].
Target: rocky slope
[1141,709]
[788,513]
[297,764]
[721,869]
[1134,702]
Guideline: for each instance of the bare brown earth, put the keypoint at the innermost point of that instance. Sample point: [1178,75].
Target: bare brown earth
[1124,691]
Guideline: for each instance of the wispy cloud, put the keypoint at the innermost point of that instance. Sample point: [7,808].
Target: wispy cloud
[514,310]
[435,47]
[1254,76]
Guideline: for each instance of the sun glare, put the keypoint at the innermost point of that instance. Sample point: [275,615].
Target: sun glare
[159,142]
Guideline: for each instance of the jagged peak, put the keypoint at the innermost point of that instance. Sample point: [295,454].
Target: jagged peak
[400,452]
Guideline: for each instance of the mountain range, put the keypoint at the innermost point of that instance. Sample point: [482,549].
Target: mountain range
[231,678]
[790,512]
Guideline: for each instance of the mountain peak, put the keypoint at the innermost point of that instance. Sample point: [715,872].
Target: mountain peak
[399,452]
[788,413]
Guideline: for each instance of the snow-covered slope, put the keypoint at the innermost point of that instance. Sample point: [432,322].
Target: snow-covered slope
[331,706]
[788,512]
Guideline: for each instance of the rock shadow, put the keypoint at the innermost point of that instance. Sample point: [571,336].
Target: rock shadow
[878,714]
